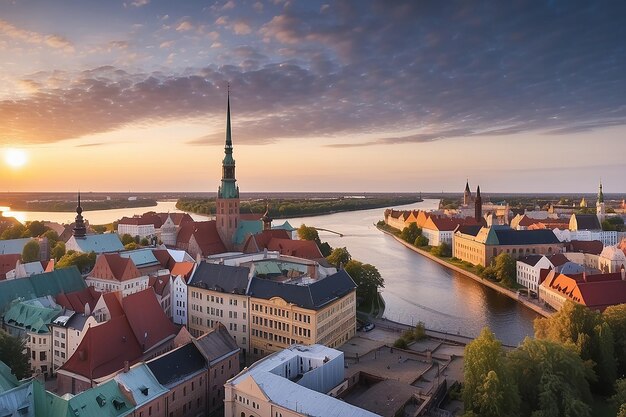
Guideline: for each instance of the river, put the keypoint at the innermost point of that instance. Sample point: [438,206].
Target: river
[416,288]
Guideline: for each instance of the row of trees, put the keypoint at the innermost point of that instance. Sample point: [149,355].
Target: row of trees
[366,276]
[575,352]
[290,207]
[503,269]
[412,234]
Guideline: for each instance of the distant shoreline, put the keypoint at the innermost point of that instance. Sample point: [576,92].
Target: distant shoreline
[70,206]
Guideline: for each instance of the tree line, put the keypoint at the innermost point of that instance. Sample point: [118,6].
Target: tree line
[575,352]
[295,207]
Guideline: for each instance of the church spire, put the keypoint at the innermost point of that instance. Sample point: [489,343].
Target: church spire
[80,230]
[228,188]
[600,194]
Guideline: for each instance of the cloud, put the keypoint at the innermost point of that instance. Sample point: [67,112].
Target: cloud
[53,41]
[241,28]
[230,4]
[166,44]
[184,26]
[139,3]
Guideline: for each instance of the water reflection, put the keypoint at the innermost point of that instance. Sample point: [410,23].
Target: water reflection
[417,288]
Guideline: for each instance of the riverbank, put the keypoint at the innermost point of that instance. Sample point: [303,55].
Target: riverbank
[509,293]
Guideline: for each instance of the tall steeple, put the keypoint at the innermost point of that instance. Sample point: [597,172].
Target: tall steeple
[478,206]
[228,188]
[467,194]
[80,230]
[227,203]
[600,209]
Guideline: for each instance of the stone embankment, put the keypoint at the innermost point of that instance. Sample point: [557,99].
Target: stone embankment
[509,293]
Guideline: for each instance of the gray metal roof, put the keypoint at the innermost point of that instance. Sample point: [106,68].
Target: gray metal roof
[216,344]
[223,278]
[311,296]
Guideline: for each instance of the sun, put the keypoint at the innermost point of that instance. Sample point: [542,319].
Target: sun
[15,158]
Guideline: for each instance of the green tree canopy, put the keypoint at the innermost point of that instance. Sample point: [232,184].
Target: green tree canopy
[489,390]
[83,261]
[14,232]
[58,251]
[615,317]
[410,233]
[126,239]
[551,379]
[366,277]
[421,240]
[339,256]
[131,246]
[31,252]
[36,228]
[144,242]
[442,250]
[308,233]
[52,236]
[12,353]
[505,268]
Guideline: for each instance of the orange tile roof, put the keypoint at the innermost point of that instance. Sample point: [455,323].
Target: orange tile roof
[205,234]
[184,269]
[147,319]
[597,291]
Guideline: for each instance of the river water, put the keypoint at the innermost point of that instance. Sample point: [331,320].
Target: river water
[416,288]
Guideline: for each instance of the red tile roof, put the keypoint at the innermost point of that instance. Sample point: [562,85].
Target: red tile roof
[558,259]
[306,249]
[259,241]
[594,291]
[177,218]
[159,283]
[77,300]
[147,319]
[205,234]
[164,258]
[592,246]
[113,301]
[104,349]
[7,263]
[115,267]
[145,219]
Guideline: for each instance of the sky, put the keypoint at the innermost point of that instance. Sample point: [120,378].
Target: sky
[381,95]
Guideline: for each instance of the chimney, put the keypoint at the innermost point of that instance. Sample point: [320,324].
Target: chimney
[126,366]
[585,276]
[623,272]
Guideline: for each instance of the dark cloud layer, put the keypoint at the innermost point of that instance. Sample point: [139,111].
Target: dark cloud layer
[448,68]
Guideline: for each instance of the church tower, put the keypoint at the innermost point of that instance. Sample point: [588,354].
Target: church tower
[227,203]
[467,194]
[80,230]
[600,205]
[478,207]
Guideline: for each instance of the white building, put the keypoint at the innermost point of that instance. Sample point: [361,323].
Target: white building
[67,332]
[113,272]
[612,259]
[293,382]
[529,269]
[144,226]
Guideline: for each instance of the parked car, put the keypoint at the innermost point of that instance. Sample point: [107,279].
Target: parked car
[368,327]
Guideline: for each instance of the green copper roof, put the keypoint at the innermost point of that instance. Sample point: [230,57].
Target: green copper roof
[7,379]
[245,229]
[285,226]
[31,316]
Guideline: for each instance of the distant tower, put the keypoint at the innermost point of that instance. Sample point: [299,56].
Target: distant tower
[583,203]
[600,205]
[467,194]
[266,219]
[80,230]
[478,206]
[227,203]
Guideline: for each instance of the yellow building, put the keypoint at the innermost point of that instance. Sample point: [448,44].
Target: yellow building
[480,245]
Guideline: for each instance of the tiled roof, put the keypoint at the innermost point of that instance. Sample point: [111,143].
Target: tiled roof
[145,219]
[587,222]
[13,246]
[586,246]
[469,230]
[104,349]
[184,269]
[595,291]
[8,262]
[159,283]
[313,296]
[77,300]
[558,259]
[205,234]
[147,319]
[142,258]
[218,277]
[177,218]
[141,384]
[530,259]
[177,365]
[510,237]
[41,285]
[113,266]
[105,243]
[105,399]
[216,344]
[113,303]
[259,241]
[306,249]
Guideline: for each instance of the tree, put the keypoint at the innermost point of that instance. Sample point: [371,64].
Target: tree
[421,240]
[489,390]
[442,250]
[99,228]
[36,228]
[83,261]
[136,239]
[619,398]
[339,256]
[551,379]
[575,324]
[506,270]
[615,317]
[131,246]
[31,252]
[58,251]
[366,277]
[14,232]
[144,242]
[52,236]
[308,233]
[12,353]
[126,239]
[410,233]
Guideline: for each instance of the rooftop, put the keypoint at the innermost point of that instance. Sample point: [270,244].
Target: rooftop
[177,365]
[223,278]
[104,243]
